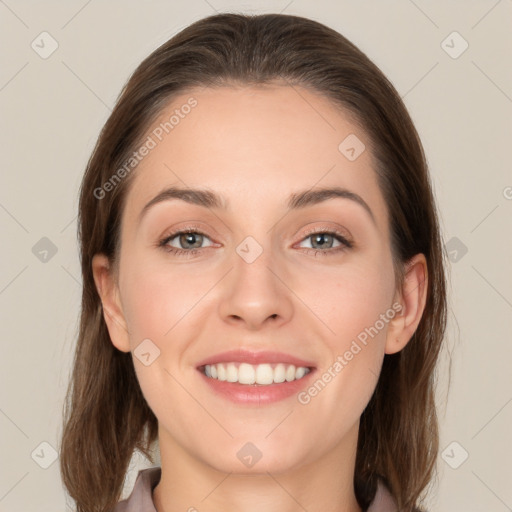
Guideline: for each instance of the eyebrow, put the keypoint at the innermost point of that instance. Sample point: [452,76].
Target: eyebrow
[296,200]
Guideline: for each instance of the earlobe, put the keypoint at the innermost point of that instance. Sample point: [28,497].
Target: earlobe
[111,305]
[412,298]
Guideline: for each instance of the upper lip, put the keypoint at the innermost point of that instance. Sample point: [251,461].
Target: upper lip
[255,357]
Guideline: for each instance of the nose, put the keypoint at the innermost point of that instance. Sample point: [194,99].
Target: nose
[256,294]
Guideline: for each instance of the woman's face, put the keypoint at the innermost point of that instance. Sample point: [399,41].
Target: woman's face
[276,274]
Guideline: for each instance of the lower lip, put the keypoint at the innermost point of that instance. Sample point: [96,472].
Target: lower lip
[254,393]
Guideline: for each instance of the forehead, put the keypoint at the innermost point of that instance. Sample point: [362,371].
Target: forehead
[255,145]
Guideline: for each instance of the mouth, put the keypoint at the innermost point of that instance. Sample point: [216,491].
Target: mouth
[254,374]
[255,378]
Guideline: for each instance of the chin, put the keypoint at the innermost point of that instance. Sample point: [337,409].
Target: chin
[257,457]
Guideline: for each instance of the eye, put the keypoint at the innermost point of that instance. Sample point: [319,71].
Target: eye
[327,242]
[186,241]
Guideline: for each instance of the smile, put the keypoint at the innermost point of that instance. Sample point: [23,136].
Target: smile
[260,374]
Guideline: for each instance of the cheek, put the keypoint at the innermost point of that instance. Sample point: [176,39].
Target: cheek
[155,299]
[355,305]
[350,300]
[158,304]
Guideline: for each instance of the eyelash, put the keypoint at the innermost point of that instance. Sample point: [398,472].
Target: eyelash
[346,244]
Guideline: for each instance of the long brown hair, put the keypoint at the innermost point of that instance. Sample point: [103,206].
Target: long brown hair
[106,416]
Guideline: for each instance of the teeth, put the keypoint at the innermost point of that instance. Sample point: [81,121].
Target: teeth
[221,372]
[279,373]
[263,374]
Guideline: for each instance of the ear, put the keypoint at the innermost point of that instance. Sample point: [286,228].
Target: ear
[412,297]
[112,308]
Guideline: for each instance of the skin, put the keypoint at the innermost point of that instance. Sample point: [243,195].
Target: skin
[256,146]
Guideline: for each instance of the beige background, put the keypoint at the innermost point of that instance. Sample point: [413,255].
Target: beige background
[52,110]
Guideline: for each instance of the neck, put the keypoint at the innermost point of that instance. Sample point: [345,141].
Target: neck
[188,484]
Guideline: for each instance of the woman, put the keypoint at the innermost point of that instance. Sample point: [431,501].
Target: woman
[263,282]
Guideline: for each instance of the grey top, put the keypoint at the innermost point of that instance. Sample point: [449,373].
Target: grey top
[141,499]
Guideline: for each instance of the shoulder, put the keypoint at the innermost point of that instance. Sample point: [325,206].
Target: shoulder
[384,501]
[141,499]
